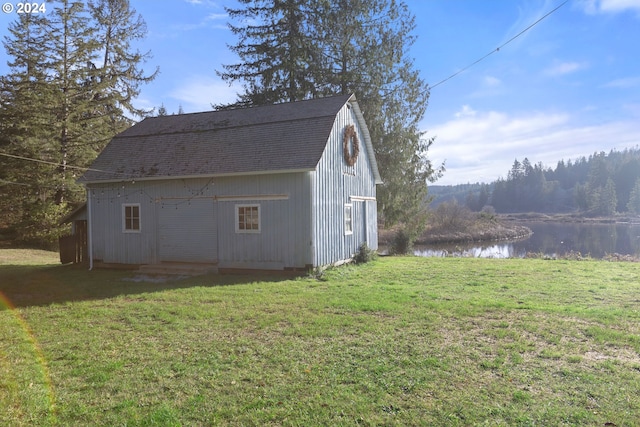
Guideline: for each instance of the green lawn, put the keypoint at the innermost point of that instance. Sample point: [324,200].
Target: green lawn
[400,341]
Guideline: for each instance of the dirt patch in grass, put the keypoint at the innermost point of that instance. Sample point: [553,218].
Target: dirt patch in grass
[538,336]
[620,355]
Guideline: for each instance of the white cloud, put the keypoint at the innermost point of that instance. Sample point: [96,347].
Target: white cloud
[563,68]
[213,21]
[466,111]
[216,20]
[216,16]
[482,146]
[619,5]
[198,92]
[207,3]
[624,83]
[491,81]
[593,7]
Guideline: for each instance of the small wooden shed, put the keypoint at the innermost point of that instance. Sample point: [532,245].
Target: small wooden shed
[281,187]
[73,247]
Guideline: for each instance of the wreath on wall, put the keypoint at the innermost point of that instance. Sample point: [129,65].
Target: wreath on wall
[350,138]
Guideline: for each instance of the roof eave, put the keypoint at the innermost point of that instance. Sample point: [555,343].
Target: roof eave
[207,176]
[367,139]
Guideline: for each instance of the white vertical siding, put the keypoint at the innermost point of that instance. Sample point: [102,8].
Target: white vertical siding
[334,185]
[283,241]
[110,243]
[187,232]
[194,220]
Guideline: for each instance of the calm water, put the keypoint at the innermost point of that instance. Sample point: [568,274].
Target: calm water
[552,239]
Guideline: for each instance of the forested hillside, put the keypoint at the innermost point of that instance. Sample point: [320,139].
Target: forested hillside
[601,184]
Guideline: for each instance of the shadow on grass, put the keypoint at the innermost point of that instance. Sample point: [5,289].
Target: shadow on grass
[29,285]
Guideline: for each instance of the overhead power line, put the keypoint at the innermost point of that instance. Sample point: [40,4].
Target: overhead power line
[501,46]
[13,156]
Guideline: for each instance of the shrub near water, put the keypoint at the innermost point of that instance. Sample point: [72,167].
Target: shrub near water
[401,243]
[451,222]
[364,254]
[398,341]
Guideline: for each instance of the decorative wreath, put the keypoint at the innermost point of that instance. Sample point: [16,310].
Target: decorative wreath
[350,137]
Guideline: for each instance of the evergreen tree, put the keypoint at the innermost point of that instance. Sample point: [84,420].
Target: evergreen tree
[274,49]
[483,196]
[119,73]
[59,107]
[300,49]
[608,198]
[591,185]
[162,111]
[598,171]
[500,196]
[581,197]
[625,176]
[634,199]
[71,49]
[364,50]
[25,119]
[516,171]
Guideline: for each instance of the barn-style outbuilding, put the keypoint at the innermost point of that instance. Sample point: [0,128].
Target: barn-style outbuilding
[280,187]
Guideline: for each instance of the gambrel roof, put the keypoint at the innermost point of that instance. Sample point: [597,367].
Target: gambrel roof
[284,137]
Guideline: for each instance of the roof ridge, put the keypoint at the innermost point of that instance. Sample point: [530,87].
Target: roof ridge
[214,129]
[254,107]
[191,123]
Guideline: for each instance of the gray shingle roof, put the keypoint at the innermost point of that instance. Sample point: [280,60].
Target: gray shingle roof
[279,137]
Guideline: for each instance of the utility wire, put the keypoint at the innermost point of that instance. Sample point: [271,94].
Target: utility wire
[2,181]
[499,47]
[123,194]
[13,156]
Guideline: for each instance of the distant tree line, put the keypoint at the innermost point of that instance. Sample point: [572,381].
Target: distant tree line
[601,184]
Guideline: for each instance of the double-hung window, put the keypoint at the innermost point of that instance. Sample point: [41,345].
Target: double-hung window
[131,218]
[247,218]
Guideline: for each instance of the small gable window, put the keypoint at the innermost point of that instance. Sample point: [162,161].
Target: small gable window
[131,218]
[247,218]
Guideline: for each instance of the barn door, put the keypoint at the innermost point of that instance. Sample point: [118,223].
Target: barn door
[371,227]
[187,232]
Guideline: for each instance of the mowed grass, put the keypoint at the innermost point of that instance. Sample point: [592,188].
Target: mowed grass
[400,341]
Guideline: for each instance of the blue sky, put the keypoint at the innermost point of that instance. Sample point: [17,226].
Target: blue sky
[568,87]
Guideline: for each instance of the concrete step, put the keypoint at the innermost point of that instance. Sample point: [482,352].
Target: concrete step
[178,268]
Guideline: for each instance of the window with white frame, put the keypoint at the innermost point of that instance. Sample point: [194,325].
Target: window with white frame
[247,218]
[348,219]
[131,218]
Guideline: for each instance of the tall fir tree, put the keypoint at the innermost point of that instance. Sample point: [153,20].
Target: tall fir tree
[365,45]
[71,51]
[300,49]
[25,120]
[118,70]
[61,105]
[274,49]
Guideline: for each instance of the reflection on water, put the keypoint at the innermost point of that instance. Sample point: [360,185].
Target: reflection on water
[551,239]
[504,250]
